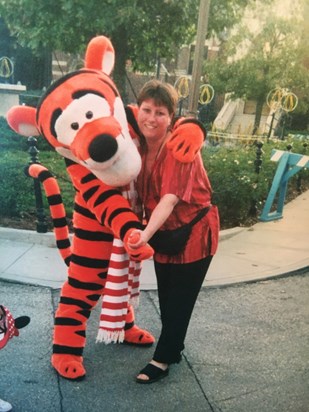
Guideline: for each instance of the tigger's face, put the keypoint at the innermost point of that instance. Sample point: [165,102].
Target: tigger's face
[83,118]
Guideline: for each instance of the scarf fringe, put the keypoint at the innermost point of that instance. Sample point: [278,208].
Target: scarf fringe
[107,336]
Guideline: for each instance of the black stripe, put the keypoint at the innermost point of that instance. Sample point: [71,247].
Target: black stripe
[83,92]
[44,175]
[116,213]
[83,285]
[128,325]
[132,121]
[67,321]
[89,262]
[63,244]
[68,350]
[67,260]
[77,302]
[102,275]
[129,225]
[83,211]
[94,297]
[88,178]
[103,217]
[85,313]
[95,236]
[60,222]
[69,162]
[54,200]
[106,195]
[90,192]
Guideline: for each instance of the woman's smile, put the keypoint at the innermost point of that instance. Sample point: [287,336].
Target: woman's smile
[153,120]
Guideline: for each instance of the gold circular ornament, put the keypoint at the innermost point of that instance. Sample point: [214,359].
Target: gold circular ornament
[6,67]
[207,93]
[182,86]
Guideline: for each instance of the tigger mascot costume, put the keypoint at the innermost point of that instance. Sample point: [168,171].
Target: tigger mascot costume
[83,118]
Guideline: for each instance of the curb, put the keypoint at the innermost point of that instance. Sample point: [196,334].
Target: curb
[48,239]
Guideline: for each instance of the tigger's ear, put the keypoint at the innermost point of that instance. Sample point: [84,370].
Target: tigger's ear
[100,55]
[22,120]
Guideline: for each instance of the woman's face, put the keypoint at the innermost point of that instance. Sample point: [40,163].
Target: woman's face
[153,121]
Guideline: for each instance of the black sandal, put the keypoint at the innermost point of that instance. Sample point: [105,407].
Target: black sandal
[153,372]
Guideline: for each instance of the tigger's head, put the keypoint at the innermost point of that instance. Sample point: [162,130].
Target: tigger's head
[83,118]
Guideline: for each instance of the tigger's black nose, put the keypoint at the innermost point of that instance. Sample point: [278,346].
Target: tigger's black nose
[102,148]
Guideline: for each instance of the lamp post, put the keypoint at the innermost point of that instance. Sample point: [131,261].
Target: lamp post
[198,56]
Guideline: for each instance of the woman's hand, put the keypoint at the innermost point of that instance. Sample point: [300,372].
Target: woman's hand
[137,248]
[137,239]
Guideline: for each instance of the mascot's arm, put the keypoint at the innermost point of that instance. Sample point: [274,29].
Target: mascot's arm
[108,205]
[187,139]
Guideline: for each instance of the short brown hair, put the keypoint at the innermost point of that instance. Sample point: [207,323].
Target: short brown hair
[164,94]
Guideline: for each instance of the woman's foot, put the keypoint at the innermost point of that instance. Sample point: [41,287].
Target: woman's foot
[152,372]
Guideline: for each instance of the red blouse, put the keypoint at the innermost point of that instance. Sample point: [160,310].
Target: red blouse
[190,183]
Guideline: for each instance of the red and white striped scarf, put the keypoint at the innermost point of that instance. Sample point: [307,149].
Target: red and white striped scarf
[122,286]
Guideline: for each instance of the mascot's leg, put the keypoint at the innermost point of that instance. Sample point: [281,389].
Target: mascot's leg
[135,335]
[79,295]
[76,302]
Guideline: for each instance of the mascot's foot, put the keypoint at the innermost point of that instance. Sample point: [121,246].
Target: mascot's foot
[69,366]
[138,337]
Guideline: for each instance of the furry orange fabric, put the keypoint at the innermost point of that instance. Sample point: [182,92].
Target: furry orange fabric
[185,149]
[82,116]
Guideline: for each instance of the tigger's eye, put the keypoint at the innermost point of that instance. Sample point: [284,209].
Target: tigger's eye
[79,112]
[75,126]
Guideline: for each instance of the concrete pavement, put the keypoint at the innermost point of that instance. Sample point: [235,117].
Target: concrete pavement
[246,351]
[262,251]
[246,348]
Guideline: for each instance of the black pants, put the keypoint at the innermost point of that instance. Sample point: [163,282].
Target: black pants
[178,288]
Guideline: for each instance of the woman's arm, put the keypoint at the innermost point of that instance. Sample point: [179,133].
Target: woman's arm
[159,215]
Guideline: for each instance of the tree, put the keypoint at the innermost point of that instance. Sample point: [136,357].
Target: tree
[32,70]
[139,29]
[257,59]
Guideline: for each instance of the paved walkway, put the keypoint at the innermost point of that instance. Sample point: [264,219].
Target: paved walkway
[246,347]
[262,251]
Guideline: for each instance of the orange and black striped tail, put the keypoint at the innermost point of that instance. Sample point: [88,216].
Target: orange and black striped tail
[57,210]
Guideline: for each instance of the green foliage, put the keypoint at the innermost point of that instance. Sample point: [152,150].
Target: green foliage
[16,194]
[9,140]
[238,188]
[140,29]
[255,61]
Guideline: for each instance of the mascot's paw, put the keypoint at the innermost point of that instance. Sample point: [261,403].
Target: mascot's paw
[141,253]
[138,337]
[186,140]
[69,366]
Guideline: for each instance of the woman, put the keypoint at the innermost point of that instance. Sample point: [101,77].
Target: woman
[172,194]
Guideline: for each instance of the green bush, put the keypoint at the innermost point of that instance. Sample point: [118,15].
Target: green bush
[238,190]
[9,140]
[16,194]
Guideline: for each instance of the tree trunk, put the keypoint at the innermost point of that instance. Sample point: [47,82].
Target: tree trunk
[258,114]
[120,43]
